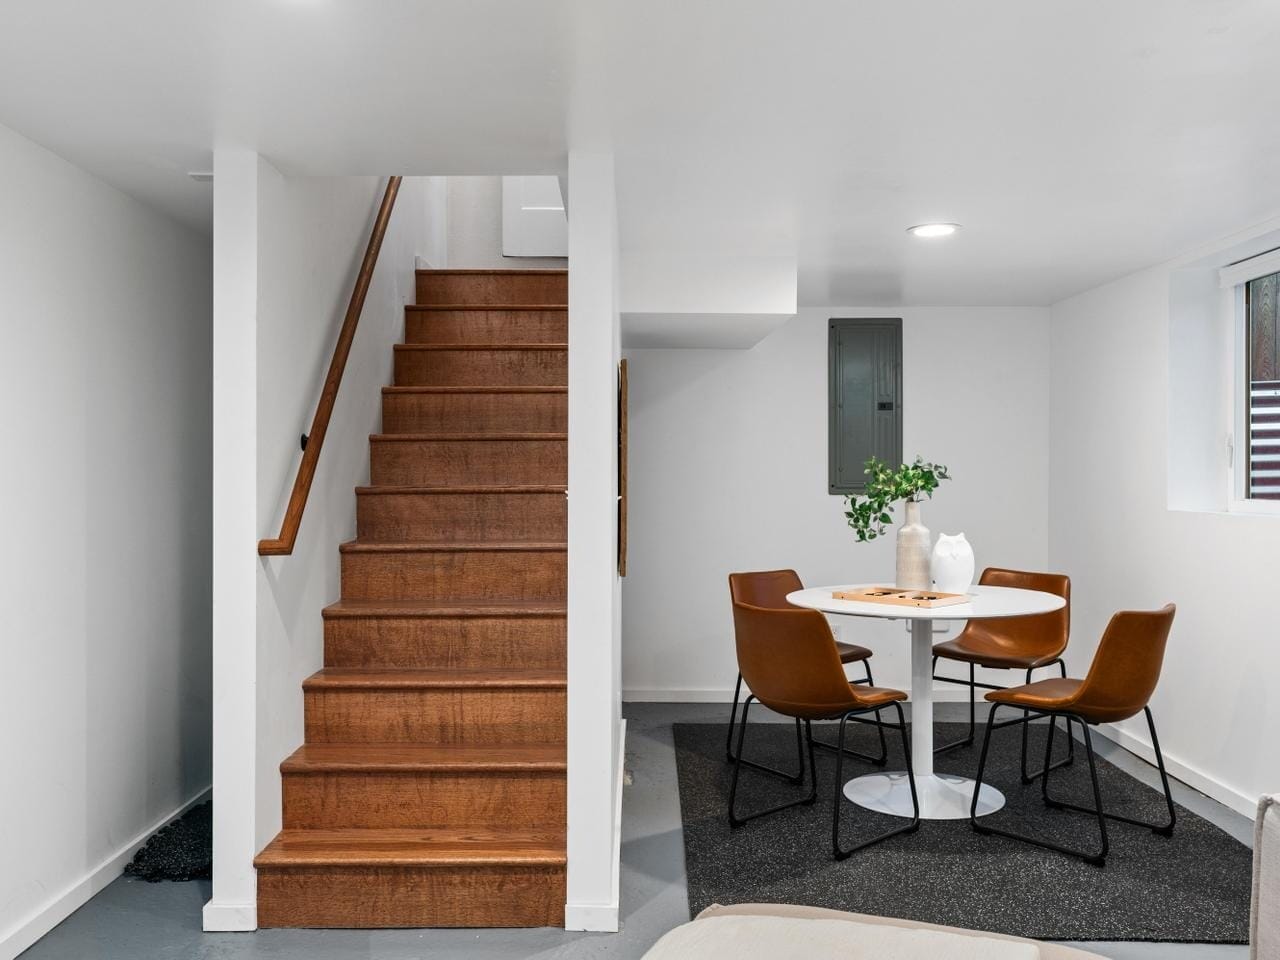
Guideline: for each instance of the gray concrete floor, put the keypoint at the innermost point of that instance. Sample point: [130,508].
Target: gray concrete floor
[132,920]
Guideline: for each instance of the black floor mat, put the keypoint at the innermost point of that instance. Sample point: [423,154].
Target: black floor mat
[1191,887]
[180,850]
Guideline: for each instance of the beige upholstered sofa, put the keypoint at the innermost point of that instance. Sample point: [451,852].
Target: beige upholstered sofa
[791,934]
[782,930]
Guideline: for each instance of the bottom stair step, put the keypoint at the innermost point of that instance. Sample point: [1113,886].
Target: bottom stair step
[412,878]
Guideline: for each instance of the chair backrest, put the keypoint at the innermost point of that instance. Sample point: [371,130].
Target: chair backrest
[1041,635]
[764,588]
[788,658]
[1126,666]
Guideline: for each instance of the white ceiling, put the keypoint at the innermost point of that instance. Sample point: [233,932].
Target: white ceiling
[1076,140]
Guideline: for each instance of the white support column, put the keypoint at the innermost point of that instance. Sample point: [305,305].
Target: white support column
[594,748]
[235,534]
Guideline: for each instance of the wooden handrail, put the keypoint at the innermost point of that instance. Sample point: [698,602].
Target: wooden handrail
[283,545]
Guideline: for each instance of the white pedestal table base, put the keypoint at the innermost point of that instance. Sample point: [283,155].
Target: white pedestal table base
[943,796]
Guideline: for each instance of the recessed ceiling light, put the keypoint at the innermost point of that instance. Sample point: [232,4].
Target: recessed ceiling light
[933,229]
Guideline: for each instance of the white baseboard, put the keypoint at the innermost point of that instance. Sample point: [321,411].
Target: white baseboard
[1196,779]
[56,909]
[677,695]
[229,917]
[604,917]
[591,917]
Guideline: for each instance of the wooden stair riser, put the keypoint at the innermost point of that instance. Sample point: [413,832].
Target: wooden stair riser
[468,517]
[418,367]
[527,288]
[366,897]
[379,800]
[409,462]
[461,715]
[454,575]
[475,412]
[486,326]
[446,642]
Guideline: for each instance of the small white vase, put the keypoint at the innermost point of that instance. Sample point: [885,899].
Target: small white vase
[952,564]
[913,551]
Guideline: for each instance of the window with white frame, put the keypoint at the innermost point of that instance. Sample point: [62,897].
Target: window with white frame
[1255,284]
[1262,399]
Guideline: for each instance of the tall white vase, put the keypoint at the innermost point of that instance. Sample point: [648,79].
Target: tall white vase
[952,564]
[913,551]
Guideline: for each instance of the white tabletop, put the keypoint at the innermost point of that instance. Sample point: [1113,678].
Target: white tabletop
[985,603]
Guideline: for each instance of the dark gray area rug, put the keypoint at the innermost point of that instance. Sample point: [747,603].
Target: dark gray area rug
[1192,887]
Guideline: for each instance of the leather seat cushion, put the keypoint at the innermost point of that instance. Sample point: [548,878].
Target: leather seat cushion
[1056,694]
[851,652]
[984,654]
[860,696]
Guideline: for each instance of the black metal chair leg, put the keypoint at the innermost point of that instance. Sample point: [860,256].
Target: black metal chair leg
[796,778]
[879,761]
[884,747]
[1097,859]
[1066,761]
[842,853]
[733,720]
[1163,829]
[739,763]
[1167,829]
[973,725]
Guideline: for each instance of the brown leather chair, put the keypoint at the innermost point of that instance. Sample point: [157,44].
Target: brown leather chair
[769,588]
[1119,685]
[789,660]
[1015,643]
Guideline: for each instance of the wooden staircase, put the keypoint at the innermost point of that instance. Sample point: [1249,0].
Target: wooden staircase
[430,791]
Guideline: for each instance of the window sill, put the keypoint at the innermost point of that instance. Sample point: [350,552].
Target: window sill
[1255,508]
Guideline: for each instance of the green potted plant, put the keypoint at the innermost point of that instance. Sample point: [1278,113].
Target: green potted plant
[870,513]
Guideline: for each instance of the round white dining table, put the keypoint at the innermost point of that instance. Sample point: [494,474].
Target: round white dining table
[943,796]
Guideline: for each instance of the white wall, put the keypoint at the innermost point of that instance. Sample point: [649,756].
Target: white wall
[594,628]
[105,388]
[309,235]
[728,471]
[475,228]
[1112,529]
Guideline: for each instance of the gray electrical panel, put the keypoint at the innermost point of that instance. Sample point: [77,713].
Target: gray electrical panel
[864,407]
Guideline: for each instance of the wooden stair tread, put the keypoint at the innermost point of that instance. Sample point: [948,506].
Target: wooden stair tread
[478,388]
[424,546]
[494,271]
[506,345]
[495,488]
[414,757]
[493,307]
[381,678]
[438,847]
[462,437]
[445,608]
